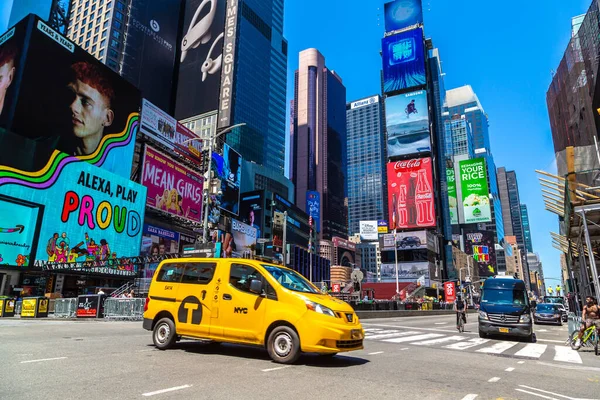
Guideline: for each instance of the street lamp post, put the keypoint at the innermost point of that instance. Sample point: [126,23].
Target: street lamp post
[207,175]
[396,259]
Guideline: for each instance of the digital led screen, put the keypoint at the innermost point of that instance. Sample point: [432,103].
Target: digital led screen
[407,121]
[403,61]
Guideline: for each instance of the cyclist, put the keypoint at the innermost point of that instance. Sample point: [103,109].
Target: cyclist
[591,316]
[460,306]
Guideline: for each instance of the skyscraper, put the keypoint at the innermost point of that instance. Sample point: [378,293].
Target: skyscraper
[318,142]
[526,229]
[366,162]
[464,101]
[55,12]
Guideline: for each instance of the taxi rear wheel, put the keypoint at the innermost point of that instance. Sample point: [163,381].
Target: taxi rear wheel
[164,335]
[283,345]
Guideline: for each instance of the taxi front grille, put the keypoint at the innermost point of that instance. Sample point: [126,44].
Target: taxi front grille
[348,344]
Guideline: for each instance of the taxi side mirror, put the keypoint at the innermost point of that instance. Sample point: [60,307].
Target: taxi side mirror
[256,286]
[533,304]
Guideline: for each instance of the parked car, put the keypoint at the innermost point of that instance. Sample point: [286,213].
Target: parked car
[410,241]
[548,313]
[564,312]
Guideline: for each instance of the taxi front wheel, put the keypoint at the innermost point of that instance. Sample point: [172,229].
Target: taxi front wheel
[283,345]
[164,335]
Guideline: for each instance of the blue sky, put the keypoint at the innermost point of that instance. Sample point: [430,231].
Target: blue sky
[504,50]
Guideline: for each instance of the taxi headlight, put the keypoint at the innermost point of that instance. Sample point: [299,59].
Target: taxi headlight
[321,309]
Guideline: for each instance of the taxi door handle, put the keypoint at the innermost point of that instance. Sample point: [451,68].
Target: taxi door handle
[226,296]
[203,294]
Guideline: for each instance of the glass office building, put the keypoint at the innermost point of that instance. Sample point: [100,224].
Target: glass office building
[526,229]
[366,162]
[260,84]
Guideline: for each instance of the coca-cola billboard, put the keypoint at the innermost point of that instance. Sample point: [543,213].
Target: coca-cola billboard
[410,194]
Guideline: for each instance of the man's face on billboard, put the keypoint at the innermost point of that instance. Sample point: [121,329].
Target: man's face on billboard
[7,71]
[90,111]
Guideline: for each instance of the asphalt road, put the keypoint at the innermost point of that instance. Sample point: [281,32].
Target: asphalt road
[408,358]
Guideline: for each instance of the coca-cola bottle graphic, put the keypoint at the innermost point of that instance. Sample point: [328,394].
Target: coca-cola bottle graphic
[402,212]
[424,200]
[411,208]
[394,216]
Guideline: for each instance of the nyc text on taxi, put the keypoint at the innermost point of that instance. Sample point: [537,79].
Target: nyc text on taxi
[247,302]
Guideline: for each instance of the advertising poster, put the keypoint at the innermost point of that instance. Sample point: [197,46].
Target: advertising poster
[475,192]
[400,14]
[172,187]
[403,61]
[161,241]
[407,272]
[251,210]
[410,194]
[28,307]
[160,126]
[407,240]
[407,121]
[480,245]
[382,226]
[450,291]
[368,231]
[19,228]
[452,196]
[70,107]
[228,169]
[313,208]
[243,238]
[149,61]
[201,58]
[87,306]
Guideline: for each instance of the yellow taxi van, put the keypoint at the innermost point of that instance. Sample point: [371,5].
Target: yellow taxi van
[248,302]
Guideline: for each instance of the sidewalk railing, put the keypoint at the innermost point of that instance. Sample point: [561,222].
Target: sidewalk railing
[125,309]
[65,308]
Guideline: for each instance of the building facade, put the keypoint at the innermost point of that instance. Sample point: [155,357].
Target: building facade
[366,162]
[526,228]
[259,177]
[318,142]
[370,256]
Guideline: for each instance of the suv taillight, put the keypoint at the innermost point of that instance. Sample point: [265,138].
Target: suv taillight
[146,304]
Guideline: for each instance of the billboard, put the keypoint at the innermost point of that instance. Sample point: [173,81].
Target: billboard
[243,237]
[364,102]
[400,14]
[452,195]
[407,272]
[67,102]
[252,210]
[228,70]
[149,55]
[475,192]
[480,245]
[155,242]
[382,226]
[368,231]
[160,126]
[201,58]
[403,61]
[410,194]
[19,229]
[172,187]
[228,169]
[407,122]
[313,207]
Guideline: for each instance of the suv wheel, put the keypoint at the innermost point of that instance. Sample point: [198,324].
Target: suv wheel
[483,335]
[283,345]
[164,335]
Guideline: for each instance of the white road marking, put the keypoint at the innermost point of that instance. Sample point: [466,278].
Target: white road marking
[405,348]
[413,338]
[521,362]
[552,393]
[497,348]
[572,367]
[377,352]
[43,359]
[494,379]
[390,334]
[372,330]
[470,397]
[422,329]
[466,345]
[440,323]
[441,340]
[536,394]
[566,354]
[166,390]
[532,350]
[549,341]
[510,369]
[275,369]
[541,330]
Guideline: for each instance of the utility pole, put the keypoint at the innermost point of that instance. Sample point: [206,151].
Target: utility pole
[396,259]
[310,244]
[284,251]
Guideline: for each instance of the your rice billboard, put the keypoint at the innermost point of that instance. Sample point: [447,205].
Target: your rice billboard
[475,191]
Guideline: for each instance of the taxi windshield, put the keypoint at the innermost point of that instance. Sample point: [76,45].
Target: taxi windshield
[290,279]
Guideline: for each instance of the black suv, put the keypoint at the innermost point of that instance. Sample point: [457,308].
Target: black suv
[410,241]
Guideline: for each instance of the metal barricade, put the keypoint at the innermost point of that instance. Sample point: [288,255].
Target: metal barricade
[18,307]
[65,308]
[574,323]
[125,309]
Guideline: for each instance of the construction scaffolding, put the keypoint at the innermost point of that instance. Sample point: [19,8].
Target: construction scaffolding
[578,208]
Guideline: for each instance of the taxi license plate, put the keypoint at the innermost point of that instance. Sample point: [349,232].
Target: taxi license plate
[504,330]
[356,334]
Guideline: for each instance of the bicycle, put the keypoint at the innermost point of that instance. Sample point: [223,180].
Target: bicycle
[590,338]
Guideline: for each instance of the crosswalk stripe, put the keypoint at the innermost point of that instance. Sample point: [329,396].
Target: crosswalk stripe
[390,334]
[466,345]
[497,348]
[440,340]
[532,350]
[566,354]
[372,330]
[413,338]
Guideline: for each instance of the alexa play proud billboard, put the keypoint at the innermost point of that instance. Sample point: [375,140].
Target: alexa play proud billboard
[410,193]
